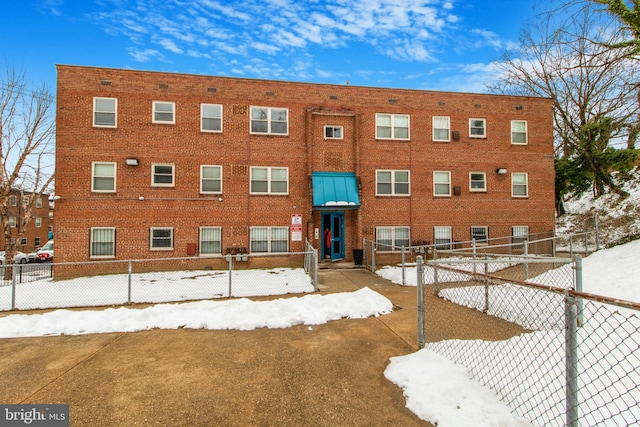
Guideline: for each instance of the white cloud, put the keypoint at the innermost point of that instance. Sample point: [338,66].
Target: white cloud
[169,45]
[145,55]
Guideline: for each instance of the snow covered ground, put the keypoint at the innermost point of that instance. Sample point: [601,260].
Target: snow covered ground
[436,389]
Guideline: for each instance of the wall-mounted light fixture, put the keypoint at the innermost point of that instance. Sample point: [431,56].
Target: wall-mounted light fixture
[501,171]
[132,162]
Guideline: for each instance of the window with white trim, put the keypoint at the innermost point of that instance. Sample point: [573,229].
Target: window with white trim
[164,112]
[519,234]
[13,200]
[103,242]
[25,201]
[162,175]
[103,177]
[519,132]
[269,180]
[392,126]
[105,112]
[442,237]
[392,238]
[519,184]
[480,234]
[271,121]
[269,239]
[211,117]
[441,127]
[392,183]
[12,221]
[477,181]
[477,128]
[442,183]
[161,238]
[24,241]
[210,240]
[36,242]
[38,203]
[210,179]
[333,132]
[38,221]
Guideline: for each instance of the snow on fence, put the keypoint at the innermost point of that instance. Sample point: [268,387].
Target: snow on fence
[522,326]
[106,283]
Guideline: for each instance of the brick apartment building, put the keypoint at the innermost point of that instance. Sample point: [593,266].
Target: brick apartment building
[40,227]
[153,165]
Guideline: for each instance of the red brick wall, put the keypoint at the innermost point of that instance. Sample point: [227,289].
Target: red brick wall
[304,150]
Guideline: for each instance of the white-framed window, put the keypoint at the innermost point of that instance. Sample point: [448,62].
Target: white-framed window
[38,203]
[13,200]
[162,174]
[50,215]
[392,126]
[519,184]
[519,132]
[103,177]
[210,240]
[164,112]
[25,201]
[441,183]
[392,238]
[333,132]
[105,112]
[211,117]
[38,222]
[480,234]
[392,183]
[519,234]
[210,179]
[442,237]
[441,128]
[269,180]
[24,241]
[269,239]
[103,242]
[161,238]
[477,128]
[477,181]
[269,120]
[36,242]
[12,221]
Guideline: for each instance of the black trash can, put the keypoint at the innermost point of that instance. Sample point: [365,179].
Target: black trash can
[357,256]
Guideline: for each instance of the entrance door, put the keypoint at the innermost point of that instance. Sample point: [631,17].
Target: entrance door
[333,241]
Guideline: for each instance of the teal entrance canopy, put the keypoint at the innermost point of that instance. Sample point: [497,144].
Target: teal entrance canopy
[335,191]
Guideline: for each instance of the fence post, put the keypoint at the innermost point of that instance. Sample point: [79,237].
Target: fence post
[571,246]
[404,282]
[579,302]
[420,278]
[525,248]
[230,260]
[129,283]
[571,350]
[373,256]
[13,288]
[315,270]
[597,233]
[473,247]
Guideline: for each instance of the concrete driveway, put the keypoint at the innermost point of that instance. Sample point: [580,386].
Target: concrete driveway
[325,375]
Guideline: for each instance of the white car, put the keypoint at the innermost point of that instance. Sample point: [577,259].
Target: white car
[19,258]
[46,252]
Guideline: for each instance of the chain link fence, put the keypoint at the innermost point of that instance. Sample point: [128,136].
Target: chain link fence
[108,283]
[522,326]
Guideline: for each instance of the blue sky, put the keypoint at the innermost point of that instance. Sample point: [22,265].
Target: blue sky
[416,44]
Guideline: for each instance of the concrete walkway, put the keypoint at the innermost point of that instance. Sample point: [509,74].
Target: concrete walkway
[326,375]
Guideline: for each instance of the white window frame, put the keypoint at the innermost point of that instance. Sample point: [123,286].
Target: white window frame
[482,189]
[12,221]
[393,182]
[155,111]
[109,232]
[154,174]
[270,239]
[436,183]
[393,127]
[396,242]
[434,128]
[203,179]
[13,200]
[269,120]
[38,203]
[218,232]
[485,231]
[38,222]
[519,234]
[269,180]
[514,132]
[24,241]
[514,184]
[203,118]
[471,127]
[113,112]
[440,234]
[332,129]
[94,176]
[152,238]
